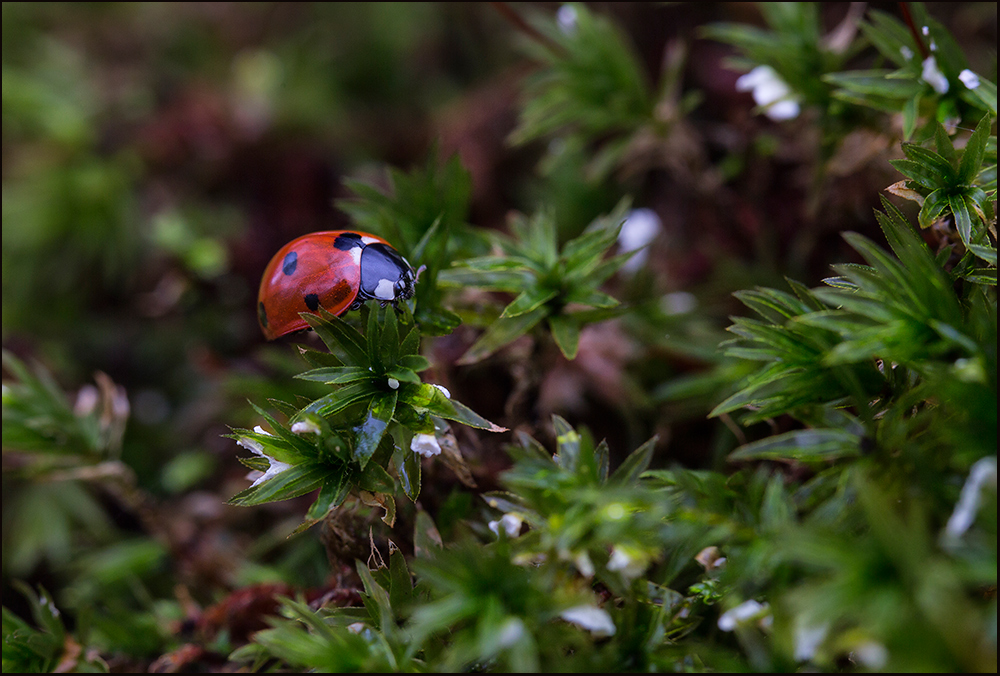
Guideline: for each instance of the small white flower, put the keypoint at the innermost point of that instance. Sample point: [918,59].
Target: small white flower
[566,17]
[426,445]
[444,390]
[630,562]
[906,52]
[770,92]
[641,227]
[511,524]
[510,633]
[983,473]
[615,511]
[678,303]
[933,76]
[86,401]
[969,79]
[275,467]
[584,564]
[593,619]
[926,30]
[356,628]
[393,384]
[808,639]
[746,611]
[710,558]
[872,654]
[305,427]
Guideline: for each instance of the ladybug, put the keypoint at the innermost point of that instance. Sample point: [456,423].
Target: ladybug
[337,270]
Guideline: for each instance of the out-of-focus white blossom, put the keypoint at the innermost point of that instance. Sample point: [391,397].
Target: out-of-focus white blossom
[743,613]
[871,654]
[983,473]
[678,303]
[808,638]
[305,427]
[593,619]
[426,445]
[906,52]
[969,79]
[641,227]
[770,92]
[510,632]
[710,558]
[933,76]
[631,563]
[393,384]
[511,524]
[566,18]
[584,564]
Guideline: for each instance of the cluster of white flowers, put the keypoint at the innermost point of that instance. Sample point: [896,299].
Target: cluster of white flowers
[511,524]
[748,611]
[770,92]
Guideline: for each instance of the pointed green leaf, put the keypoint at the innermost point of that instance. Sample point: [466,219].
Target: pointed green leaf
[920,173]
[291,483]
[426,538]
[528,300]
[400,582]
[634,465]
[933,208]
[963,221]
[341,399]
[370,433]
[987,253]
[337,375]
[376,601]
[975,150]
[809,445]
[375,479]
[373,336]
[567,444]
[331,495]
[408,469]
[411,343]
[931,162]
[390,339]
[502,332]
[566,332]
[340,337]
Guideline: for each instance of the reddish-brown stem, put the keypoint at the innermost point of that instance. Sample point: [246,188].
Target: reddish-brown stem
[514,18]
[908,18]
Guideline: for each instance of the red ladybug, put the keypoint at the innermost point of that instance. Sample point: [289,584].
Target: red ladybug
[337,270]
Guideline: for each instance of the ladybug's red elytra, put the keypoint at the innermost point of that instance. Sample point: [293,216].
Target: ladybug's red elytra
[337,270]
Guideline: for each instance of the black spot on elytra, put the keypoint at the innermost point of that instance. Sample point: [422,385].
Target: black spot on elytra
[347,240]
[312,301]
[262,314]
[290,263]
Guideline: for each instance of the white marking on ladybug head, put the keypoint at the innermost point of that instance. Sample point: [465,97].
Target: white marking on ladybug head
[356,252]
[385,290]
[366,240]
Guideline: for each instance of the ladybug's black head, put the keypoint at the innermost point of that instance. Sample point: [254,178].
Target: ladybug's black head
[385,275]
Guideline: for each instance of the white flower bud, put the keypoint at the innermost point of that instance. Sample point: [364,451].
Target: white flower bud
[593,619]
